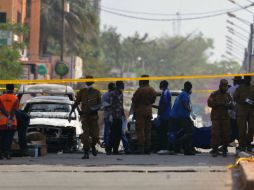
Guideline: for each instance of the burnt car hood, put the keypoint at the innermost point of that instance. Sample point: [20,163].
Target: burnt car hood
[51,122]
[55,120]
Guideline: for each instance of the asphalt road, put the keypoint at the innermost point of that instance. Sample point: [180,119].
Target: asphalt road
[68,171]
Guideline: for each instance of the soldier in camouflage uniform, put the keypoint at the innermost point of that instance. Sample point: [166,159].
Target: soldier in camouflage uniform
[245,113]
[142,102]
[220,101]
[90,100]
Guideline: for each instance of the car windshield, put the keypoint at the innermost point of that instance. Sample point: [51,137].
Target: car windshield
[48,107]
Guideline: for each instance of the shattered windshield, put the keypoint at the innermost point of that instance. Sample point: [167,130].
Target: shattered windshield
[48,107]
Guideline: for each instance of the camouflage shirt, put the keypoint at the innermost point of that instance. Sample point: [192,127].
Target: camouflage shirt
[88,98]
[241,94]
[220,104]
[116,102]
[143,99]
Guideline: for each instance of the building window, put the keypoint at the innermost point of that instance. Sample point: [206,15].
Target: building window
[3,17]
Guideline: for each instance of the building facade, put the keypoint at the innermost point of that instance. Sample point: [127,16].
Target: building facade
[13,11]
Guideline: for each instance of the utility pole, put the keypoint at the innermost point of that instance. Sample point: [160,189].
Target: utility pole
[60,67]
[178,16]
[177,25]
[62,32]
[250,48]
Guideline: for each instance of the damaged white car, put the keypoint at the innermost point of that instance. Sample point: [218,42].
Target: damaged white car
[49,115]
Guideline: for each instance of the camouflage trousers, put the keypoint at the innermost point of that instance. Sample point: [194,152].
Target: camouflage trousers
[220,134]
[90,130]
[143,131]
[246,130]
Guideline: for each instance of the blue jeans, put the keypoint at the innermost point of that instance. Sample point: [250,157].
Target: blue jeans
[107,125]
[125,141]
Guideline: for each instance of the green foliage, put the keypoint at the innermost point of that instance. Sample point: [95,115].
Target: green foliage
[165,56]
[108,51]
[81,33]
[81,25]
[18,29]
[10,66]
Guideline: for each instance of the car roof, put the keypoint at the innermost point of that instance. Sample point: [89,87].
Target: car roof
[175,92]
[50,99]
[45,88]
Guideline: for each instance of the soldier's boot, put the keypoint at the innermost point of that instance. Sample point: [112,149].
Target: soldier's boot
[94,151]
[7,156]
[86,154]
[140,150]
[108,150]
[214,152]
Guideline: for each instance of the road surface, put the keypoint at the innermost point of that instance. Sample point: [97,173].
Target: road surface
[136,172]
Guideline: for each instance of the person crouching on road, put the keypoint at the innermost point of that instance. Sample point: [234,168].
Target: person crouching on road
[8,124]
[220,101]
[116,116]
[90,100]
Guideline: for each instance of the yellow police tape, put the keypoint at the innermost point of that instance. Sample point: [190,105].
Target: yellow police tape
[122,79]
[131,90]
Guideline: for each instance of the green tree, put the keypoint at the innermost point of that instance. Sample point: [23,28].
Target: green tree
[123,55]
[81,33]
[165,56]
[11,67]
[81,25]
[112,50]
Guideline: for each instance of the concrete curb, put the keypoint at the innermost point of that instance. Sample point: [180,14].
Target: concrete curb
[247,174]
